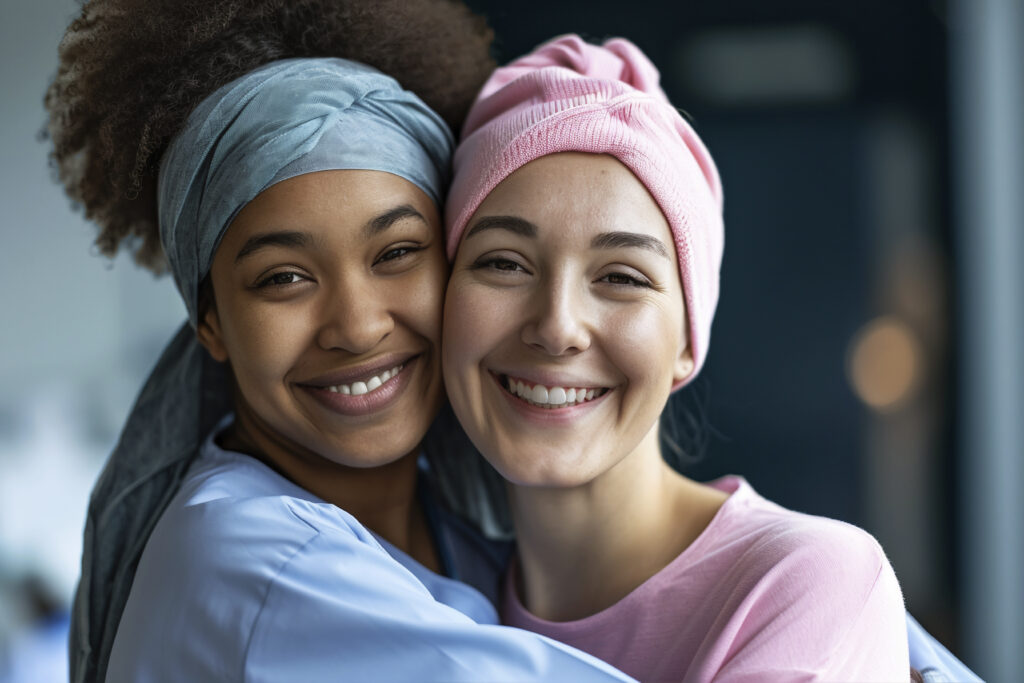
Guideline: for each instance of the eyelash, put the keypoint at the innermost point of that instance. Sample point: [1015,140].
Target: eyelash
[406,251]
[492,264]
[624,279]
[630,281]
[269,281]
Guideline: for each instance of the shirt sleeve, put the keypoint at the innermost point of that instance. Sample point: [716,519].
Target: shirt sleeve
[931,658]
[875,646]
[828,609]
[342,609]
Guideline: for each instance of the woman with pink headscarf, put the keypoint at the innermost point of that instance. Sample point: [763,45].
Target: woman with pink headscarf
[585,228]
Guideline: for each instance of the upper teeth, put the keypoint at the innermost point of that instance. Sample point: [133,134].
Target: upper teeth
[360,388]
[541,395]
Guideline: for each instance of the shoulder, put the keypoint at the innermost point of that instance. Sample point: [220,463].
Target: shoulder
[236,501]
[822,569]
[804,593]
[792,547]
[228,494]
[810,592]
[237,525]
[223,545]
[776,563]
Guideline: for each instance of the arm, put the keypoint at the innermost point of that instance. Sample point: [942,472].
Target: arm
[272,588]
[934,661]
[371,620]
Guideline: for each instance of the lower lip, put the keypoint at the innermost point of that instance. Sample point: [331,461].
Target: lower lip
[368,403]
[550,416]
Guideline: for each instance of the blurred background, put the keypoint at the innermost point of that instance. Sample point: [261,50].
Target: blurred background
[867,356]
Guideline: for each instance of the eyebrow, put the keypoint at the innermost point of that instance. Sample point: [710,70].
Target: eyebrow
[514,224]
[389,218]
[605,240]
[616,240]
[295,239]
[282,238]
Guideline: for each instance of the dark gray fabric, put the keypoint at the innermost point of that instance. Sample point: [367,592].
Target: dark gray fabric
[181,401]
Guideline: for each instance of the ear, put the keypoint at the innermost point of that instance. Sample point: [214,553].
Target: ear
[683,367]
[210,335]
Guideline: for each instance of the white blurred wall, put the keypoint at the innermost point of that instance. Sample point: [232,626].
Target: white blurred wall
[78,333]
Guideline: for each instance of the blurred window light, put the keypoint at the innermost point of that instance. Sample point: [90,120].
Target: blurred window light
[802,63]
[885,363]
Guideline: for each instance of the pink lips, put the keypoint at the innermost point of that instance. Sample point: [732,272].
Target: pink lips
[368,403]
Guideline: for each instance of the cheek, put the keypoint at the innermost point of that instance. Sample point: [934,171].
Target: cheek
[644,343]
[476,320]
[264,340]
[422,298]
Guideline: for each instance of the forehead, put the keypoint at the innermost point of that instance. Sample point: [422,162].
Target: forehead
[336,202]
[579,194]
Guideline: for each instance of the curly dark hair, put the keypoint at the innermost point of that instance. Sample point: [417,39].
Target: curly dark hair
[131,71]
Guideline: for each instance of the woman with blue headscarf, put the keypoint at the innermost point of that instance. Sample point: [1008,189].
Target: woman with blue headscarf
[265,515]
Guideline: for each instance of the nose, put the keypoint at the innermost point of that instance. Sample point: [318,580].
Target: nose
[557,325]
[355,317]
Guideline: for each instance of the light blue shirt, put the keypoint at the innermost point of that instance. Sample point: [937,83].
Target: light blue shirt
[933,660]
[248,577]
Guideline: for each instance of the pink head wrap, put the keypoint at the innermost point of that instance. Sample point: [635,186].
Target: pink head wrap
[571,96]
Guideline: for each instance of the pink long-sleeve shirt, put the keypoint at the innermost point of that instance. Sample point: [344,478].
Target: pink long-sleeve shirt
[763,594]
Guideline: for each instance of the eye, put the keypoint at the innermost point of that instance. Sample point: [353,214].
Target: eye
[280,279]
[496,263]
[399,252]
[624,280]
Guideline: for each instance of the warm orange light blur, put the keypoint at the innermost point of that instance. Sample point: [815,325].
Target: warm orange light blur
[885,363]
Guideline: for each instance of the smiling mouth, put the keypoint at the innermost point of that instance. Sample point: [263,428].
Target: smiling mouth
[365,393]
[552,397]
[366,386]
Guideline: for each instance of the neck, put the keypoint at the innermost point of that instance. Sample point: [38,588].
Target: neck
[382,498]
[582,549]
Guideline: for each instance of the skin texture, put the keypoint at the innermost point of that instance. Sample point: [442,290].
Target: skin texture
[555,310]
[353,288]
[574,307]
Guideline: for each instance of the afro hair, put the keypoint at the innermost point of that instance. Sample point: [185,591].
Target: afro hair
[131,71]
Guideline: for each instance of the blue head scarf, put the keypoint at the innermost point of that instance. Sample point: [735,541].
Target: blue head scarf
[282,120]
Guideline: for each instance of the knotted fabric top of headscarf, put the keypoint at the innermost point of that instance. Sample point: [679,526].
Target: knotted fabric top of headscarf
[282,120]
[571,96]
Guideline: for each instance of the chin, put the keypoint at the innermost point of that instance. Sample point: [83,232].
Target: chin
[544,475]
[376,453]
